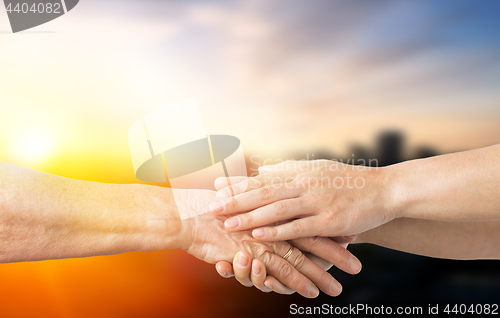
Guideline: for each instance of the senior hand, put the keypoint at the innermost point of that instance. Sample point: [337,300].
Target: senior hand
[315,198]
[253,272]
[211,242]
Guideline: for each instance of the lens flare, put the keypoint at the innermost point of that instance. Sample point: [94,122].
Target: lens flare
[33,145]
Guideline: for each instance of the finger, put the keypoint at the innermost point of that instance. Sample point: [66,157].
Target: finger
[304,227]
[255,199]
[330,251]
[316,274]
[278,211]
[225,269]
[344,239]
[258,275]
[323,264]
[284,272]
[253,183]
[242,267]
[223,182]
[277,287]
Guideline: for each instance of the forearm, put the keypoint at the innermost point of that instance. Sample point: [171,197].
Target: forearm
[44,216]
[456,187]
[453,240]
[446,206]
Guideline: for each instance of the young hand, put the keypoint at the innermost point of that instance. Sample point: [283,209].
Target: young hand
[315,198]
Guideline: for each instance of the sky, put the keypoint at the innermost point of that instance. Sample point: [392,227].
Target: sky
[283,76]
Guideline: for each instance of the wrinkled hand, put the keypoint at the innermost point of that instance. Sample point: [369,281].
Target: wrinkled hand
[211,242]
[314,198]
[253,272]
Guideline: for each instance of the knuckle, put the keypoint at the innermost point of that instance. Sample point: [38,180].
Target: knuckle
[314,241]
[260,251]
[241,187]
[265,193]
[297,227]
[308,201]
[263,179]
[275,232]
[252,183]
[235,203]
[300,261]
[280,207]
[286,272]
[246,219]
[330,216]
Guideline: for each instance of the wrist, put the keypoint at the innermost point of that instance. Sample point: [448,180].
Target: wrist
[174,232]
[395,196]
[164,223]
[360,238]
[192,205]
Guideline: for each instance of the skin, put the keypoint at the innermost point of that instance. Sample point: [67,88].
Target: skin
[252,272]
[445,207]
[439,239]
[309,201]
[43,217]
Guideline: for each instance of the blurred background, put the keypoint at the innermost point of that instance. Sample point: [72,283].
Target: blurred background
[393,80]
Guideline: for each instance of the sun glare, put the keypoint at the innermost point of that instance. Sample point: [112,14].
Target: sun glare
[33,145]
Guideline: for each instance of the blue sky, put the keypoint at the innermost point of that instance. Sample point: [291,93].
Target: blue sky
[280,75]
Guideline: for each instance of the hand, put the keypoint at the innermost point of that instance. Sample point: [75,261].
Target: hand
[254,273]
[208,240]
[315,198]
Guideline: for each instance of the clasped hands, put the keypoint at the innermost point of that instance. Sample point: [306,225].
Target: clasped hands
[318,207]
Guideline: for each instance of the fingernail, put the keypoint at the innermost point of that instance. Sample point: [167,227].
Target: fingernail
[221,272]
[336,287]
[255,269]
[242,260]
[232,223]
[218,206]
[268,285]
[354,264]
[224,193]
[314,292]
[259,233]
[220,180]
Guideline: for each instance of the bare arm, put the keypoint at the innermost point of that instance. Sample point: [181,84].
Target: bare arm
[461,186]
[325,198]
[452,240]
[43,216]
[448,206]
